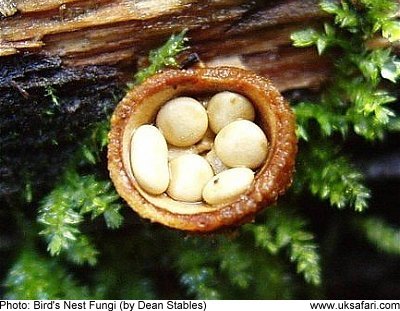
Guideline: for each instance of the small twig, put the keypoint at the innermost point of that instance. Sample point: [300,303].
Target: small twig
[24,93]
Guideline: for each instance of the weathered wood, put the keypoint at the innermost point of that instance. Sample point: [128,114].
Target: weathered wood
[87,50]
[37,134]
[119,33]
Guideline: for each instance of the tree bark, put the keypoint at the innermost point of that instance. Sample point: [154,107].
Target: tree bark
[87,50]
[119,33]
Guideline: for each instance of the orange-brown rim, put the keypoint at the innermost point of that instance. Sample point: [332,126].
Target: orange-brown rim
[277,121]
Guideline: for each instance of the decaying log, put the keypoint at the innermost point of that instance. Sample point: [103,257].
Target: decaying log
[118,33]
[38,136]
[87,51]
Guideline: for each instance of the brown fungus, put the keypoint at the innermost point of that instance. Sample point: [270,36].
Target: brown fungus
[141,105]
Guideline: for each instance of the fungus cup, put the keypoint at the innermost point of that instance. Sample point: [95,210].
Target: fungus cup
[271,179]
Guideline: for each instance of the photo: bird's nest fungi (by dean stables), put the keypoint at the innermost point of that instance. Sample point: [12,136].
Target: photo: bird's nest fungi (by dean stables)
[202,149]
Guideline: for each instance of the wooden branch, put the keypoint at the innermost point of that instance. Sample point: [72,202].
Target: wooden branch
[119,33]
[87,50]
